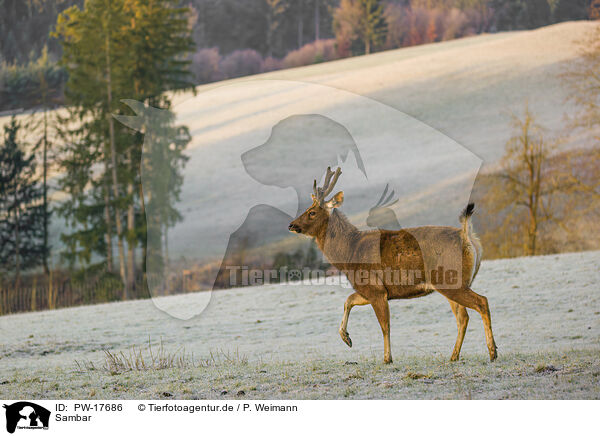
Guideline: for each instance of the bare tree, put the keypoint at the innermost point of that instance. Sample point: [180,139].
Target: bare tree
[362,20]
[317,20]
[536,185]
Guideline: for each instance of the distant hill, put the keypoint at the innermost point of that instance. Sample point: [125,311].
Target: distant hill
[464,89]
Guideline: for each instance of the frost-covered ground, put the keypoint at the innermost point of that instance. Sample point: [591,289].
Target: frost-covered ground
[282,342]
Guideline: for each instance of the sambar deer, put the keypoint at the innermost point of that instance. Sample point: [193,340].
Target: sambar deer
[385,256]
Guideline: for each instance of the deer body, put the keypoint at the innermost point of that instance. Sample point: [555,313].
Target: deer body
[373,261]
[351,250]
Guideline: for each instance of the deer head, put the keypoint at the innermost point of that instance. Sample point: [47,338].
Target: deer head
[316,217]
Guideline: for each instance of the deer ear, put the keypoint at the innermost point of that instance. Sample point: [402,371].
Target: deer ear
[336,201]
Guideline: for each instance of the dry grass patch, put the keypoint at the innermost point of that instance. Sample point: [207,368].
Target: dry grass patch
[158,358]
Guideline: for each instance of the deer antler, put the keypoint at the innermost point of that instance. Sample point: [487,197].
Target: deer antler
[328,184]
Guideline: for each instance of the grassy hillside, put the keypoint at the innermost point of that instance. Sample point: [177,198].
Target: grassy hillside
[462,87]
[464,90]
[282,341]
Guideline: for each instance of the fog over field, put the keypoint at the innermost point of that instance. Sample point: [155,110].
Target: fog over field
[446,110]
[454,99]
[545,315]
[465,88]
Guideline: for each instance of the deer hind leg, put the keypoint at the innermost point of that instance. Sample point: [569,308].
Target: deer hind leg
[466,297]
[382,311]
[462,320]
[353,300]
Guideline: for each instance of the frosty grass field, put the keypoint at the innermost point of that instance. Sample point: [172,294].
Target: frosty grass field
[281,341]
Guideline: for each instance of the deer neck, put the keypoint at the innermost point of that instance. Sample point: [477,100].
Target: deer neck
[336,238]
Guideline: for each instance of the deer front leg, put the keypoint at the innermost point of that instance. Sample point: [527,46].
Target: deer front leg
[382,311]
[353,300]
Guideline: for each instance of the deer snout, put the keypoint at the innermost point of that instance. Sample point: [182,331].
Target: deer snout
[294,228]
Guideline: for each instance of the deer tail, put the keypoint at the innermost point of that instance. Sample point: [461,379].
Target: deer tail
[471,240]
[464,218]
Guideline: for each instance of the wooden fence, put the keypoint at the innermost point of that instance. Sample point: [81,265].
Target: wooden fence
[55,295]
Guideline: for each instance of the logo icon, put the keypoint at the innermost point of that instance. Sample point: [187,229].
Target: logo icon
[26,415]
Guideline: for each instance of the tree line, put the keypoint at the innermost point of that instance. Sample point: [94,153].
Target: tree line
[271,27]
[241,37]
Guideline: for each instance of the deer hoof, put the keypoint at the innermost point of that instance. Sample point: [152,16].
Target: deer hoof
[493,353]
[346,338]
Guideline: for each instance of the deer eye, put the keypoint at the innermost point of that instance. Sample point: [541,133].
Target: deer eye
[312,214]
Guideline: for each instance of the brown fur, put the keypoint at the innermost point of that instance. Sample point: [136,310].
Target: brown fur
[421,250]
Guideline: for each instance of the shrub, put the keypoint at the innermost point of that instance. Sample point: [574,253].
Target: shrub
[419,25]
[321,50]
[271,64]
[241,63]
[419,22]
[205,65]
[456,25]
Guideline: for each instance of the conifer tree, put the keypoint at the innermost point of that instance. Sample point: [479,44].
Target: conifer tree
[45,98]
[94,51]
[159,39]
[115,50]
[85,211]
[21,209]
